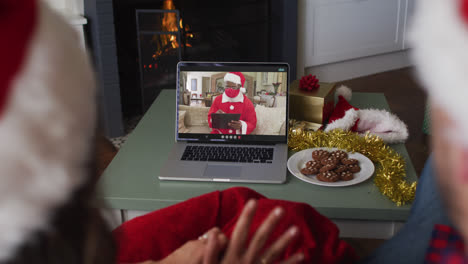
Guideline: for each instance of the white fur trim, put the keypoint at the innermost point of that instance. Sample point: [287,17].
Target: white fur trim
[439,38]
[237,99]
[345,123]
[230,77]
[46,131]
[382,124]
[244,127]
[344,91]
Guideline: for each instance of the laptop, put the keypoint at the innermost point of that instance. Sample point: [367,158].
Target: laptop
[247,141]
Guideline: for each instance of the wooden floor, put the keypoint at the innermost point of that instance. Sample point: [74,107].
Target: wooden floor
[406,100]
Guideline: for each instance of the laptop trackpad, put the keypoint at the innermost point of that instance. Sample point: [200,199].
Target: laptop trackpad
[222,171]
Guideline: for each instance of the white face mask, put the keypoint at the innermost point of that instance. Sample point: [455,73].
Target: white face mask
[242,89]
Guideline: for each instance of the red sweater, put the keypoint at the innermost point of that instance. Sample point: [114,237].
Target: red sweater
[157,234]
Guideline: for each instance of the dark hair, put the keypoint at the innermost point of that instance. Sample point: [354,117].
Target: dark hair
[78,233]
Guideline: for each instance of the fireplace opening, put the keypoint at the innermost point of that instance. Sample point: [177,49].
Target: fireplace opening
[152,36]
[198,31]
[159,45]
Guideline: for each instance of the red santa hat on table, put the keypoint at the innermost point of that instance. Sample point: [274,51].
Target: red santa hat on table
[377,122]
[237,78]
[439,40]
[47,119]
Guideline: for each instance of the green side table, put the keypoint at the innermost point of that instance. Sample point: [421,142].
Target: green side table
[130,184]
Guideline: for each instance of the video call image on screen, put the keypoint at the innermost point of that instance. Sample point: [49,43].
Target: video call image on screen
[232,104]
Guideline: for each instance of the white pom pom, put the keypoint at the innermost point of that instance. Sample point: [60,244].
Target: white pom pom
[344,91]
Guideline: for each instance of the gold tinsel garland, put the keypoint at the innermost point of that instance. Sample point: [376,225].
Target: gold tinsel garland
[390,170]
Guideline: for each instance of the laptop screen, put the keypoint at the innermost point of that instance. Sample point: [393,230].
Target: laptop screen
[232,102]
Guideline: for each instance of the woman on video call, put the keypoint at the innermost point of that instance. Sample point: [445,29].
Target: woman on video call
[233,101]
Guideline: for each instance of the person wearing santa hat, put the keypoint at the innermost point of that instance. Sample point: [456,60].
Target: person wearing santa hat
[440,51]
[47,127]
[437,229]
[234,101]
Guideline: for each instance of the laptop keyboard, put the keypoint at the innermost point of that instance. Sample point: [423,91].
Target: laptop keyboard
[228,154]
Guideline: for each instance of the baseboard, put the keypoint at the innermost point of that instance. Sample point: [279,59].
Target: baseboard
[368,229]
[348,228]
[346,70]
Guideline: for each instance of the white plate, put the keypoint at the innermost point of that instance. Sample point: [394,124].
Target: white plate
[297,161]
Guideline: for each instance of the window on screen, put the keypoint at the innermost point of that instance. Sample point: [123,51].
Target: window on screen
[194,85]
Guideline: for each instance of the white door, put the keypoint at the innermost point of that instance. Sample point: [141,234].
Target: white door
[338,30]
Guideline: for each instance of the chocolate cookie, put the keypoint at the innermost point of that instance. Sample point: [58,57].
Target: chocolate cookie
[320,154]
[346,176]
[313,164]
[339,154]
[340,168]
[329,160]
[347,161]
[354,168]
[328,176]
[327,167]
[309,171]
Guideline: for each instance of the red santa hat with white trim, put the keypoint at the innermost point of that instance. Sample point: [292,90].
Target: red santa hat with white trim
[47,118]
[377,122]
[438,37]
[235,77]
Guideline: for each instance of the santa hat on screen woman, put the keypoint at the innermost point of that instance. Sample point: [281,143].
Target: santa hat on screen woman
[377,122]
[237,78]
[439,41]
[47,119]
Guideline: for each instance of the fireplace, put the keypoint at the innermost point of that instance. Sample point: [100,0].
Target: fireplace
[151,36]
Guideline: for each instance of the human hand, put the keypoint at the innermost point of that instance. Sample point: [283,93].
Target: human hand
[236,252]
[237,125]
[192,251]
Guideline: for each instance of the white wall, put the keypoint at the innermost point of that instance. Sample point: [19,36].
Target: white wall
[72,11]
[324,45]
[73,7]
[350,69]
[198,76]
